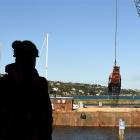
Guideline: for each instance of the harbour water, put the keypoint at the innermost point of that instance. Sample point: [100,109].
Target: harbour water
[93,133]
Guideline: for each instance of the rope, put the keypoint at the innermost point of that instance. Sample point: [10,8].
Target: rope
[116,19]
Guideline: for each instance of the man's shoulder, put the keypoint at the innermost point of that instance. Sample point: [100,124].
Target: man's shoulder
[40,81]
[4,82]
[3,77]
[43,79]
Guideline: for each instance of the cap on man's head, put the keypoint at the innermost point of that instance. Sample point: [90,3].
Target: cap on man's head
[26,48]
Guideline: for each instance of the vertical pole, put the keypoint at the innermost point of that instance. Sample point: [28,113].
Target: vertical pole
[0,57]
[121,134]
[121,129]
[47,56]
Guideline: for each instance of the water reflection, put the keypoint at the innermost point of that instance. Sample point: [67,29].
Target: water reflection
[93,133]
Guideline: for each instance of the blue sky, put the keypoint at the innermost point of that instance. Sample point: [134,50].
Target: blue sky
[81,38]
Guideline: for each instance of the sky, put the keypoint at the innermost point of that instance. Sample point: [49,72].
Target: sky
[81,38]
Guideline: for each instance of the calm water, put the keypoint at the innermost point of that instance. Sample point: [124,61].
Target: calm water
[93,133]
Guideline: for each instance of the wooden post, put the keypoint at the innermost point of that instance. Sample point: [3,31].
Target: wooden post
[121,129]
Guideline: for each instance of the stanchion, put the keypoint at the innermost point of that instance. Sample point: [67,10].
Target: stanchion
[121,129]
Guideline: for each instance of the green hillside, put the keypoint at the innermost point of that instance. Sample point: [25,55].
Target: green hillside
[57,88]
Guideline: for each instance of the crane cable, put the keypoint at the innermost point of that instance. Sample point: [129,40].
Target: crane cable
[116,20]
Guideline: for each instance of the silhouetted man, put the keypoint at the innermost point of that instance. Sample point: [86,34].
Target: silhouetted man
[25,107]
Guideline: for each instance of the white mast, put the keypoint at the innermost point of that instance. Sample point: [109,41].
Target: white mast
[0,55]
[0,49]
[45,46]
[46,56]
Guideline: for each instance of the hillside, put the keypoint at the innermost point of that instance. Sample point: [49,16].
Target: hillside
[57,88]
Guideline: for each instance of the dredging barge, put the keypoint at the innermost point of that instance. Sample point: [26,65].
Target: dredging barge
[98,116]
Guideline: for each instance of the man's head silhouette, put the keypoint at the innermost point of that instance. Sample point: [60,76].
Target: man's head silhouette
[25,53]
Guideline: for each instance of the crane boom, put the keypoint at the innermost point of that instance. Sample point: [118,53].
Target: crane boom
[137,4]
